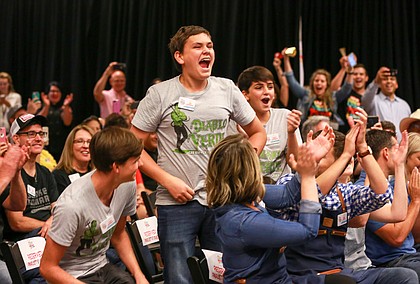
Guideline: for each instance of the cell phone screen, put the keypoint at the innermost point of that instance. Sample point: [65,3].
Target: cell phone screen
[371,121]
[3,136]
[352,59]
[36,97]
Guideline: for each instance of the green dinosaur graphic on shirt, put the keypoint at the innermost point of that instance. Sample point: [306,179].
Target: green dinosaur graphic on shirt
[178,117]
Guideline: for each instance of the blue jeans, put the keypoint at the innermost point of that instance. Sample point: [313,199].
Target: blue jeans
[409,260]
[179,226]
[397,275]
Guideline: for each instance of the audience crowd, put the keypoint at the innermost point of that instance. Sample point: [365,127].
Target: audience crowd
[312,193]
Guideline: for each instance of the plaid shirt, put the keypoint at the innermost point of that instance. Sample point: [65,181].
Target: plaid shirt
[358,199]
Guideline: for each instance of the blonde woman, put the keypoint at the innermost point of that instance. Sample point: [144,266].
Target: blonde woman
[75,158]
[319,99]
[411,168]
[250,237]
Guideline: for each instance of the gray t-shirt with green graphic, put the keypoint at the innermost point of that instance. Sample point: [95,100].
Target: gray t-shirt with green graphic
[85,225]
[273,157]
[189,125]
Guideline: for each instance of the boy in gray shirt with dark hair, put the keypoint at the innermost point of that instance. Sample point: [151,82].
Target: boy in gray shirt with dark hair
[190,114]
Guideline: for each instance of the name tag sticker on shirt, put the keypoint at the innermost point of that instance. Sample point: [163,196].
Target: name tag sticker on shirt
[31,190]
[273,139]
[342,219]
[73,177]
[107,224]
[148,230]
[185,103]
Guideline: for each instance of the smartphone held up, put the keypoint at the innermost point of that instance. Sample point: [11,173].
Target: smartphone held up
[3,135]
[371,121]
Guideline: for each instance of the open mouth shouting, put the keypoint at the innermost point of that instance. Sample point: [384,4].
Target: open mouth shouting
[205,62]
[266,101]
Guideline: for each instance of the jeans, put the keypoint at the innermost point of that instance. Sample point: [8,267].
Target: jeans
[397,275]
[112,256]
[409,260]
[109,274]
[179,226]
[4,273]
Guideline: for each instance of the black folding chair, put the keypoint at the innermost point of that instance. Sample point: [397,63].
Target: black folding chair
[199,270]
[152,276]
[14,261]
[149,203]
[13,256]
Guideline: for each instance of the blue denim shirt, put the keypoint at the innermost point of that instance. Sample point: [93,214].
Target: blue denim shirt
[251,239]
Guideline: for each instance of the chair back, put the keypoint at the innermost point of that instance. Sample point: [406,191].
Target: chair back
[199,270]
[148,203]
[136,242]
[15,262]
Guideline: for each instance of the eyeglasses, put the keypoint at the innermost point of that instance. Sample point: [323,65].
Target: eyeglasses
[81,142]
[33,134]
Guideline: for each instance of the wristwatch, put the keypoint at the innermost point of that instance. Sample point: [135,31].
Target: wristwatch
[365,153]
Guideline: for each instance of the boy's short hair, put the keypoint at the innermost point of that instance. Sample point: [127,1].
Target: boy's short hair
[360,65]
[254,74]
[389,126]
[378,140]
[116,119]
[178,41]
[113,145]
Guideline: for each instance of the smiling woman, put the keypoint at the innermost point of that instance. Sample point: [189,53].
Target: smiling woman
[319,99]
[75,159]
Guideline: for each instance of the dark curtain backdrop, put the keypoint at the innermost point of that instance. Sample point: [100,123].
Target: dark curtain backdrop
[72,41]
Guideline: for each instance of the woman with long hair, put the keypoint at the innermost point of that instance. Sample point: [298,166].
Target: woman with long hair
[75,158]
[250,237]
[319,99]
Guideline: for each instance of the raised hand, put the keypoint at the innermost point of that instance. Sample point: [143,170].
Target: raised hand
[293,120]
[11,162]
[361,144]
[322,144]
[276,63]
[3,148]
[381,74]
[414,185]
[350,143]
[306,164]
[110,68]
[68,99]
[399,151]
[45,99]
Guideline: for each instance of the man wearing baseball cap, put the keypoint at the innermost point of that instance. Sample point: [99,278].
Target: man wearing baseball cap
[40,186]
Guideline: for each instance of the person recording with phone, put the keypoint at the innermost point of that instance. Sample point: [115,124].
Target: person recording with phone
[319,99]
[387,105]
[115,72]
[348,107]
